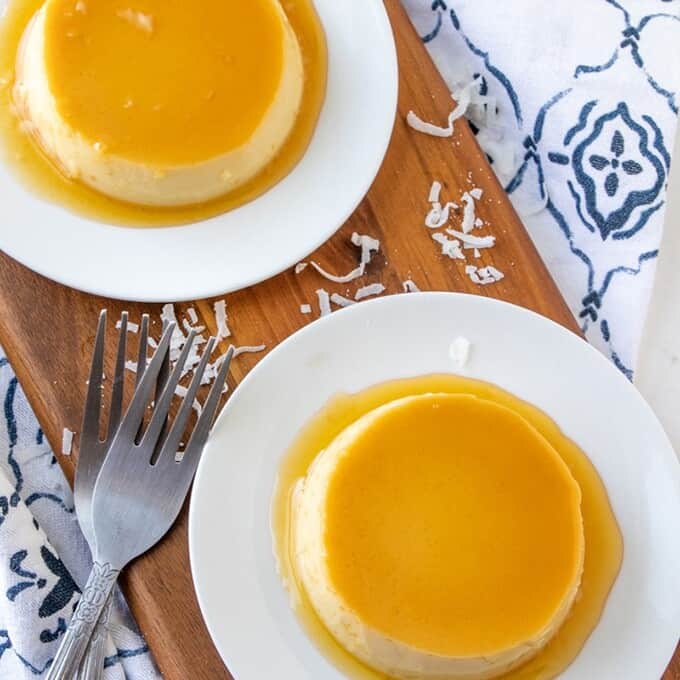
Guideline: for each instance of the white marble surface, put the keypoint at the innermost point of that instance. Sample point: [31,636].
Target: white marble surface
[658,368]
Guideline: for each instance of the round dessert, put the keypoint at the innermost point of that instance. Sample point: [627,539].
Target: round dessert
[440,536]
[160,102]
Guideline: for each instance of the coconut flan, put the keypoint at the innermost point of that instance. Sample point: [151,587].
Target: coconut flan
[440,536]
[159,102]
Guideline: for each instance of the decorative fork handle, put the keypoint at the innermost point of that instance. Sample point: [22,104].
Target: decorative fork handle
[77,637]
[92,666]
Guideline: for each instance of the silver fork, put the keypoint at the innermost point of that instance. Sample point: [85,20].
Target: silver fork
[91,456]
[135,502]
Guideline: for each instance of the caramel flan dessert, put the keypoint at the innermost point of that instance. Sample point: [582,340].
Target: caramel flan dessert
[159,102]
[439,536]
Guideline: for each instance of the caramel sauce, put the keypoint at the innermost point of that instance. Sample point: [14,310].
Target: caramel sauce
[167,94]
[603,541]
[38,173]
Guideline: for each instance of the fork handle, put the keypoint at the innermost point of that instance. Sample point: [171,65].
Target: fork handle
[92,666]
[77,637]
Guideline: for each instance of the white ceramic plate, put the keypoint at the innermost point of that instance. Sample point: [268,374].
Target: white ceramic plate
[241,597]
[259,239]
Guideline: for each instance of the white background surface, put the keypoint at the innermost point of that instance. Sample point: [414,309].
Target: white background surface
[658,370]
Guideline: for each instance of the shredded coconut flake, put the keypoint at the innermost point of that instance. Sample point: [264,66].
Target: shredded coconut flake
[211,370]
[460,351]
[428,128]
[324,302]
[300,267]
[470,241]
[221,320]
[178,344]
[188,327]
[369,291]
[435,190]
[306,309]
[471,271]
[450,247]
[341,301]
[249,349]
[131,326]
[410,287]
[492,271]
[469,217]
[354,274]
[492,134]
[67,442]
[368,246]
[463,98]
[438,216]
[483,276]
[178,338]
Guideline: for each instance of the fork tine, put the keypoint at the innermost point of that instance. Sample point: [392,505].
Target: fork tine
[205,421]
[141,359]
[89,431]
[135,412]
[162,406]
[118,378]
[160,384]
[165,368]
[171,444]
[143,342]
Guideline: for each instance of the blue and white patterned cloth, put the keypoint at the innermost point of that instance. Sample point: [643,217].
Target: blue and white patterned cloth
[586,100]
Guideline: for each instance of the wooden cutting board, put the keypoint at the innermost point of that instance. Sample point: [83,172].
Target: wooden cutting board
[47,329]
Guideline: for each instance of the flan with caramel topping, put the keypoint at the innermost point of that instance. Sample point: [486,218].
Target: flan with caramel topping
[160,102]
[440,536]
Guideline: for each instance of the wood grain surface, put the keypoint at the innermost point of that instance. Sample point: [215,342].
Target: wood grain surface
[47,329]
